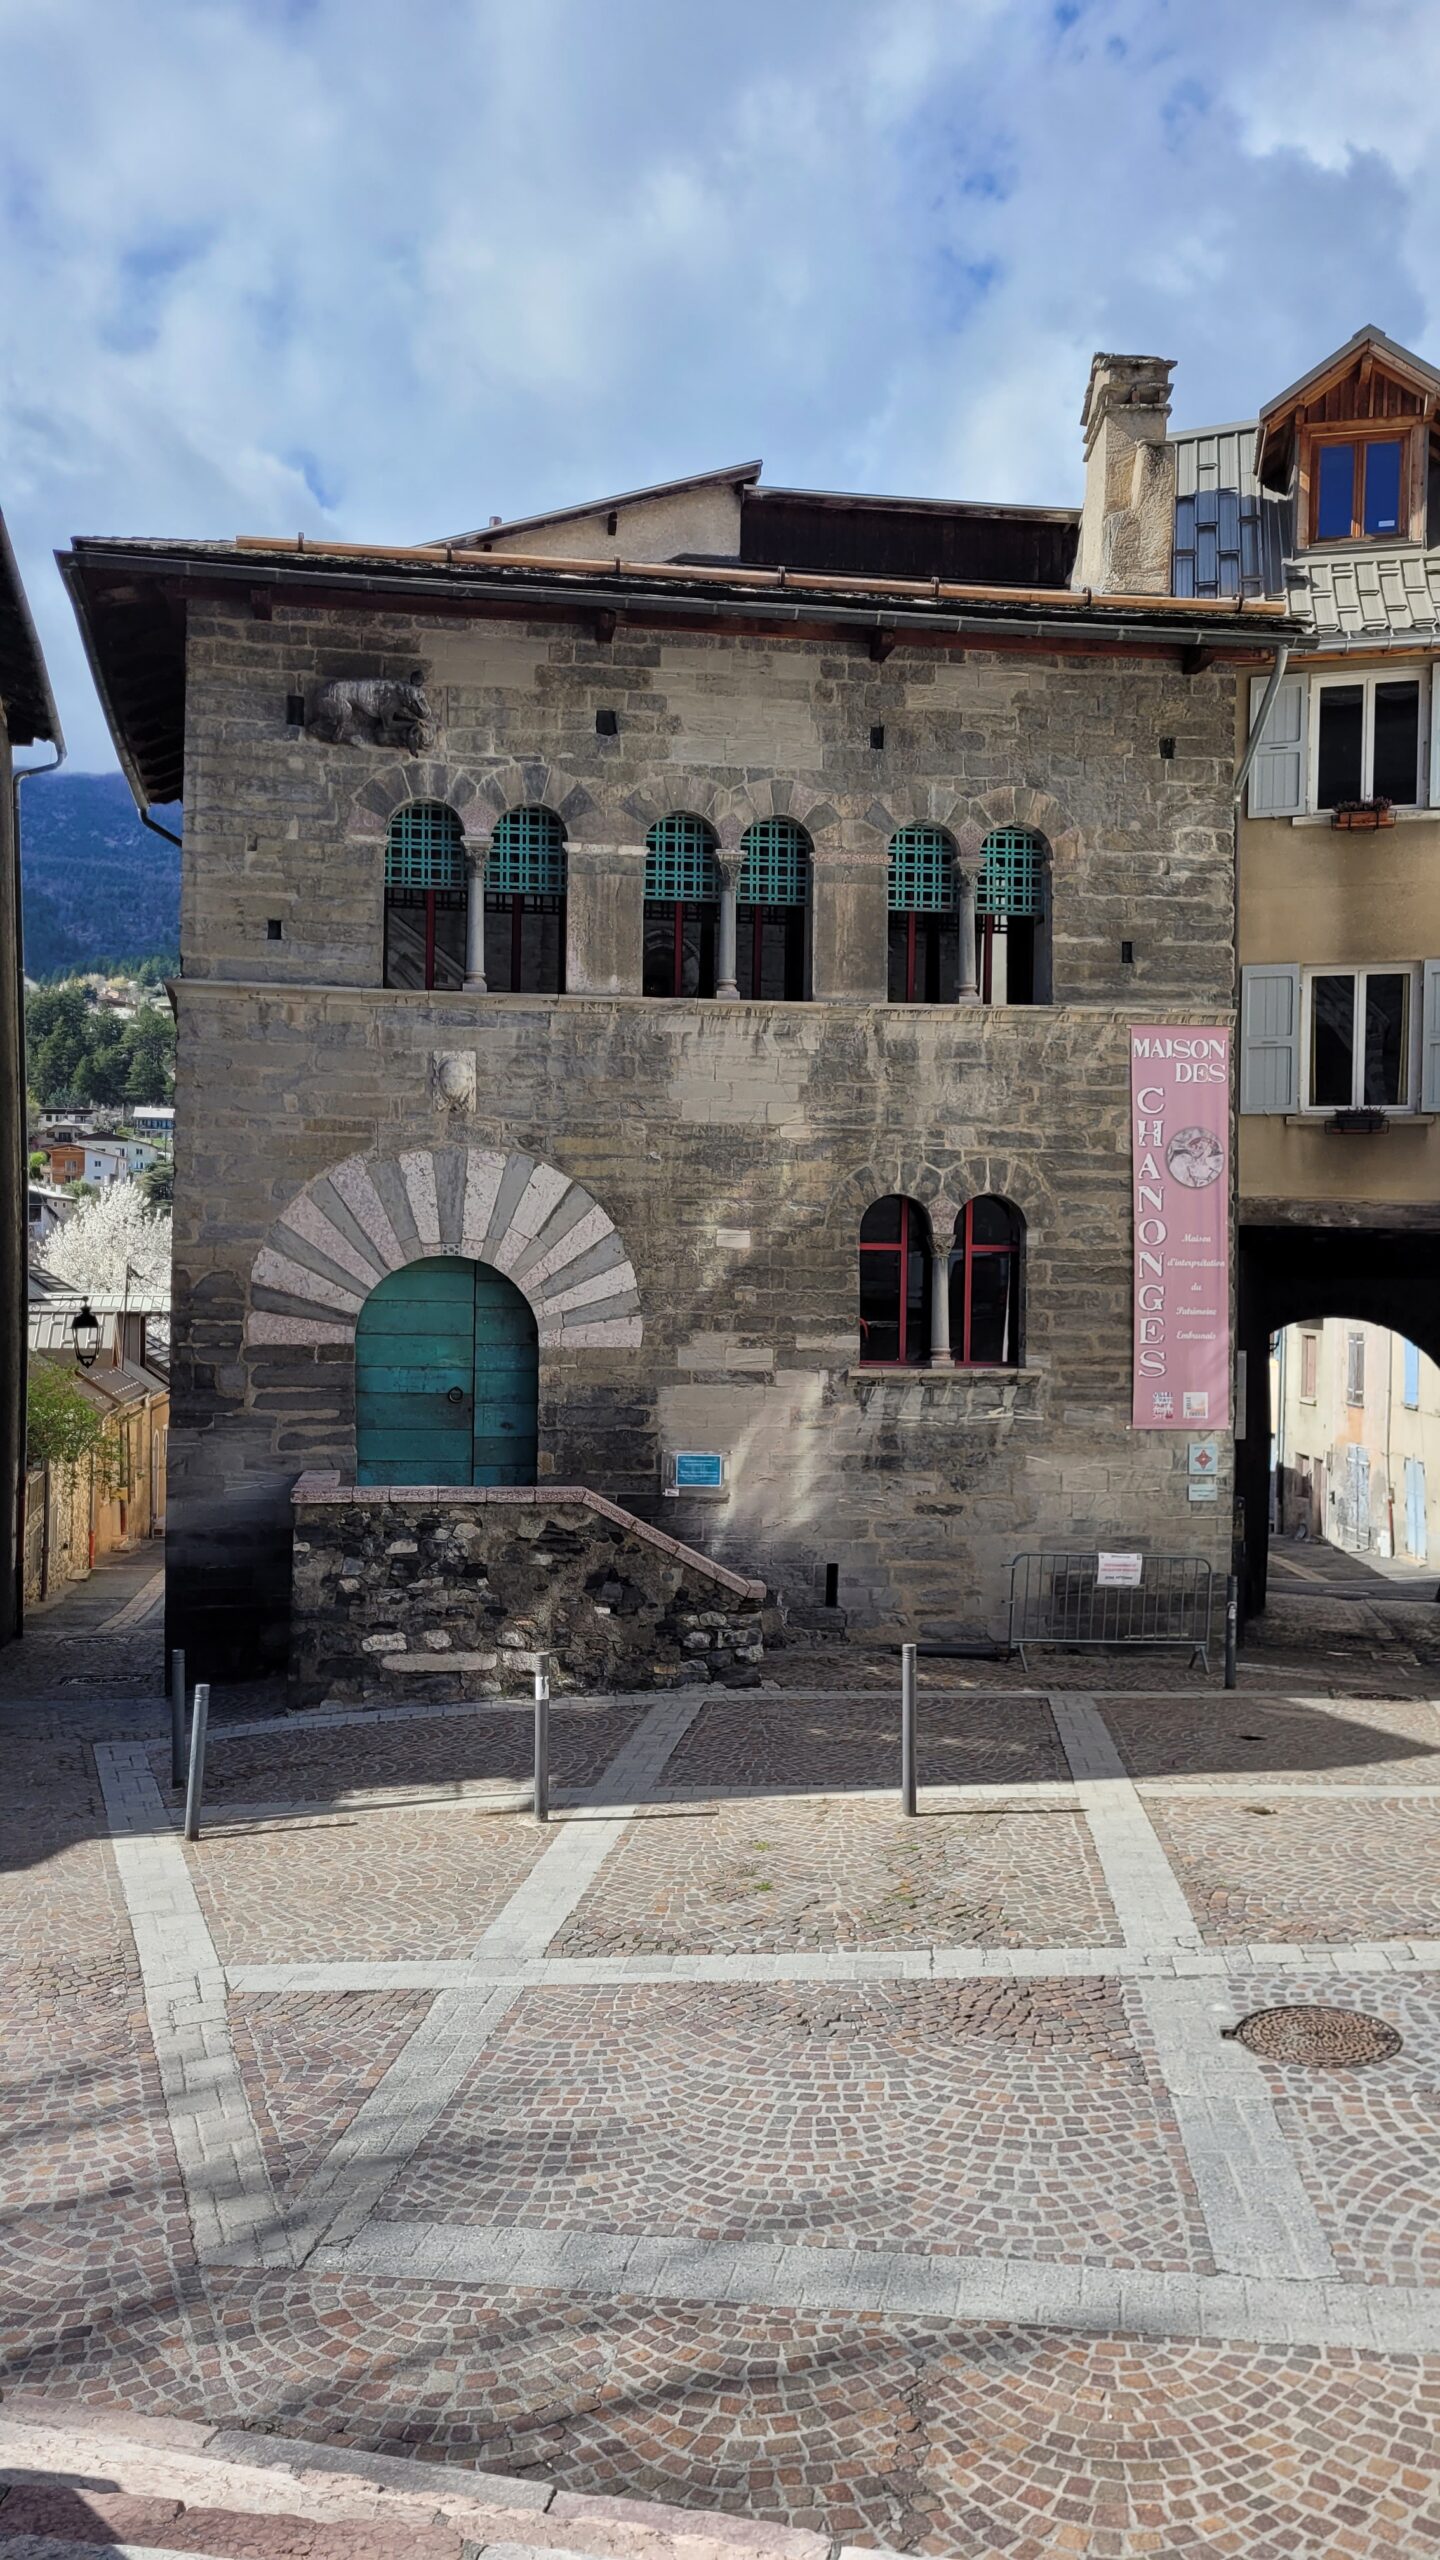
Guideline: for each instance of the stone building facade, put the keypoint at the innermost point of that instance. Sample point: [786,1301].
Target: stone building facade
[676,1184]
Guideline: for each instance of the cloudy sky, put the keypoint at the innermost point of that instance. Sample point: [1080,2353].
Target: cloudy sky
[386,267]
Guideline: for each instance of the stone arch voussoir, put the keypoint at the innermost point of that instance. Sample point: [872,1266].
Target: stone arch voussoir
[421,778]
[371,1215]
[970,821]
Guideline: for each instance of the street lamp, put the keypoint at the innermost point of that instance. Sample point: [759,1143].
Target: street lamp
[85,1332]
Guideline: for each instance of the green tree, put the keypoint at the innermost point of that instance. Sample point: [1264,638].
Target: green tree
[158,1184]
[150,1047]
[39,1167]
[103,1070]
[61,1429]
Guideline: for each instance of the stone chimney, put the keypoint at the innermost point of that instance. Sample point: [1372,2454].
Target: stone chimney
[1127,523]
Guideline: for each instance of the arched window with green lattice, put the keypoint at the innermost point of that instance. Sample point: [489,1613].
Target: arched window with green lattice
[525,904]
[1013,907]
[425,897]
[682,907]
[924,938]
[773,901]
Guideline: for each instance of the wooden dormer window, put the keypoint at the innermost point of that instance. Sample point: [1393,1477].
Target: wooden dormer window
[1360,486]
[1351,442]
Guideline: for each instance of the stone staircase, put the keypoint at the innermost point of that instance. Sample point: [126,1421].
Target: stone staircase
[79,2484]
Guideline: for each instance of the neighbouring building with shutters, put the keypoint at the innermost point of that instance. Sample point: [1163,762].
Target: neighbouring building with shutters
[1331,501]
[655,1015]
[1357,1440]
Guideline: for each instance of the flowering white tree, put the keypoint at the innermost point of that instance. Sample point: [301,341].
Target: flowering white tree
[102,1236]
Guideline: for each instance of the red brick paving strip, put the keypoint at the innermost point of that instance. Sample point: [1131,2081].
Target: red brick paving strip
[73,2515]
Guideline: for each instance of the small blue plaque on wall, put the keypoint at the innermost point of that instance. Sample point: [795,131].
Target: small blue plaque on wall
[700,1467]
[696,1472]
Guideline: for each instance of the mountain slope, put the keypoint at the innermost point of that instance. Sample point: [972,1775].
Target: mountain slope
[97,885]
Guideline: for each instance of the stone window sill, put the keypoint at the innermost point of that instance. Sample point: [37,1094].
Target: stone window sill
[968,1395]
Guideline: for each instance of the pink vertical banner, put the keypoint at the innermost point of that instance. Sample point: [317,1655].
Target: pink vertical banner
[1180,1136]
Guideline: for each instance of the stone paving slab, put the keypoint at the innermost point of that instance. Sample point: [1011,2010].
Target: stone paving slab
[982,2118]
[776,1874]
[1303,1869]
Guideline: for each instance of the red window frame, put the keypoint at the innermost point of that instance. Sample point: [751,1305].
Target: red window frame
[901,1247]
[968,1252]
[397,898]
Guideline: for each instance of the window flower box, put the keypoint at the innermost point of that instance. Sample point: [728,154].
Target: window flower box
[1360,1123]
[1363,813]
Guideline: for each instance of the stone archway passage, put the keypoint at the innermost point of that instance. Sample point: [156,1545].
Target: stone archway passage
[373,1215]
[446,1378]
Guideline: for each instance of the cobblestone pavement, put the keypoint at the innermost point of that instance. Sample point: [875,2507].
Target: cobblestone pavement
[749,2149]
[407,1751]
[422,1884]
[1320,1869]
[922,2116]
[795,1872]
[841,1741]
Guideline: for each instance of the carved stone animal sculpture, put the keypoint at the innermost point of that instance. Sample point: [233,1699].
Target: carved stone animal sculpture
[372,711]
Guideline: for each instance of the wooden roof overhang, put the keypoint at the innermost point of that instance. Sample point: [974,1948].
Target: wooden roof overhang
[25,696]
[131,601]
[1368,380]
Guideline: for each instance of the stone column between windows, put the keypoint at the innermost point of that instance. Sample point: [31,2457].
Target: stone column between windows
[939,1304]
[726,982]
[966,883]
[475,927]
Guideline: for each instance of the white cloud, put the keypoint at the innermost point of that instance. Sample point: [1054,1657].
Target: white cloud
[282,263]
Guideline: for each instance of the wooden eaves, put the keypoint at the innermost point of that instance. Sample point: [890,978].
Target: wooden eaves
[131,600]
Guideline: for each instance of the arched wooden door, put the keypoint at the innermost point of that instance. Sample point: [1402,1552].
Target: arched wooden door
[446,1378]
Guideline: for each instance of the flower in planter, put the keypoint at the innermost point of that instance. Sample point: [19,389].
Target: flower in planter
[1378,812]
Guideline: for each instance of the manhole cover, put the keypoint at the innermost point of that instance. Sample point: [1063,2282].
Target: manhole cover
[1316,2035]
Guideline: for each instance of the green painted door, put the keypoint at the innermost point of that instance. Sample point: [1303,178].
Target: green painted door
[446,1370]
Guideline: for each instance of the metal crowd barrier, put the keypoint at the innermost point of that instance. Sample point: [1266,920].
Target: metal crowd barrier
[1058,1599]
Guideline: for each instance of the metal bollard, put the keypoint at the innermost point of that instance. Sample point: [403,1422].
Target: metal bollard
[177,1717]
[199,1719]
[542,1746]
[907,1728]
[1232,1628]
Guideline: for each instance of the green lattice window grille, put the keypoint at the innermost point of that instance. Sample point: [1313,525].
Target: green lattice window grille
[680,864]
[922,872]
[776,868]
[1012,877]
[527,855]
[425,848]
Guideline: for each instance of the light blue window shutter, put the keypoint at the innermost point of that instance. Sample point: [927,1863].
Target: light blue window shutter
[1277,776]
[1412,1376]
[1435,733]
[1270,1038]
[1430,1038]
